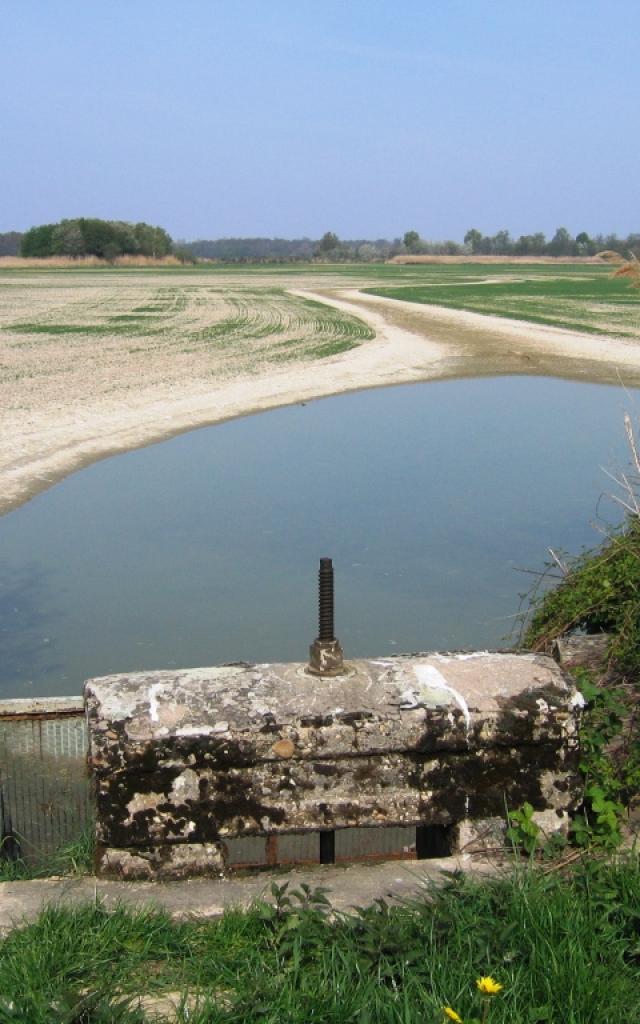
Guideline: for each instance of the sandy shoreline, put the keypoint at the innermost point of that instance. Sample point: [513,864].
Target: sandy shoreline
[43,442]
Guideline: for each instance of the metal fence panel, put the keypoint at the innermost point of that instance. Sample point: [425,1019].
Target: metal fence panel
[44,787]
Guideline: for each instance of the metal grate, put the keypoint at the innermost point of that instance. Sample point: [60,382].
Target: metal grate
[44,788]
[345,845]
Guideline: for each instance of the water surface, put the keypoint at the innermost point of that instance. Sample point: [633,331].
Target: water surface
[203,549]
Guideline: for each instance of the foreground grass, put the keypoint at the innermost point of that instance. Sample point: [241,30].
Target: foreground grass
[587,300]
[565,949]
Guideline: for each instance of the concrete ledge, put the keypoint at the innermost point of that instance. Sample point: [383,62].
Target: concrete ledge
[35,707]
[355,885]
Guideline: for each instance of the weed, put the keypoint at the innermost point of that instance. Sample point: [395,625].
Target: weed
[610,753]
[599,824]
[523,831]
[486,987]
[529,838]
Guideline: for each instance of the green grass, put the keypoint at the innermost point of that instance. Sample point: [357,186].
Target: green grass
[586,299]
[114,326]
[51,328]
[566,949]
[348,271]
[131,318]
[73,858]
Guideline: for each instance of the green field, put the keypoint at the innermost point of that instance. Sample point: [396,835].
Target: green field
[581,298]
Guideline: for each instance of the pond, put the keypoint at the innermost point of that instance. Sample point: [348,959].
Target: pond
[431,499]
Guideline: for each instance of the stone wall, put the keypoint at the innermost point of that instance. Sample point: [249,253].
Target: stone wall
[188,763]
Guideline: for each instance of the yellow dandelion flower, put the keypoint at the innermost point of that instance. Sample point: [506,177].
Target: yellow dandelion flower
[488,986]
[452,1015]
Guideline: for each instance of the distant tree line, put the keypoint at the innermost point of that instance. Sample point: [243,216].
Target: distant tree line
[285,250]
[10,243]
[88,236]
[230,250]
[330,248]
[108,239]
[562,244]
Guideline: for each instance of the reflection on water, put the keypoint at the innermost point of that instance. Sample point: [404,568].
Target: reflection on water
[204,549]
[27,615]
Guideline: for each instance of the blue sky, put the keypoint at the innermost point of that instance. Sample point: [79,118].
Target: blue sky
[294,117]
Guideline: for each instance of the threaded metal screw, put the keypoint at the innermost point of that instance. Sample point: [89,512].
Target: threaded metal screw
[325,653]
[325,600]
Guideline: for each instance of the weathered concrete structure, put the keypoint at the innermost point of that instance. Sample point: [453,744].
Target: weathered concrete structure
[188,763]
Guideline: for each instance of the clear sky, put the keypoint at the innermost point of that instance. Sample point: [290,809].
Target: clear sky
[293,117]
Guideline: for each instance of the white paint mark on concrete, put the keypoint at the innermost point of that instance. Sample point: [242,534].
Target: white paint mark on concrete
[430,676]
[154,689]
[461,657]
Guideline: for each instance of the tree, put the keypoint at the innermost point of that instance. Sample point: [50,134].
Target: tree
[328,242]
[99,237]
[584,245]
[412,241]
[501,243]
[67,239]
[561,244]
[38,241]
[539,242]
[151,241]
[473,238]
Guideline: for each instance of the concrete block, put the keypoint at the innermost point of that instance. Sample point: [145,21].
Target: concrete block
[206,756]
